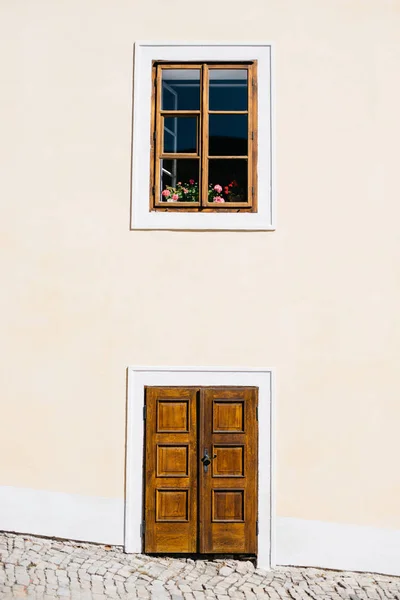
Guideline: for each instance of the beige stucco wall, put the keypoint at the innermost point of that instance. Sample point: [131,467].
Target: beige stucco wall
[83,296]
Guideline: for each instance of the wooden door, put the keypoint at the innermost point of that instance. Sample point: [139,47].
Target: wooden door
[171,470]
[201,470]
[228,487]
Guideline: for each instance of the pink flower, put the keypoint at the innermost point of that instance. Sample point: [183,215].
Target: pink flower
[218,199]
[165,193]
[218,188]
[179,182]
[191,181]
[175,197]
[185,191]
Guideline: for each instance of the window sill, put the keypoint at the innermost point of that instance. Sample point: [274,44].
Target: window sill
[201,221]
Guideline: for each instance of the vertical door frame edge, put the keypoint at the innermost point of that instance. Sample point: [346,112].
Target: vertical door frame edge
[138,377]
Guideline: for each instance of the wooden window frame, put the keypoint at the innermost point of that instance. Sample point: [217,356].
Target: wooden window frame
[202,154]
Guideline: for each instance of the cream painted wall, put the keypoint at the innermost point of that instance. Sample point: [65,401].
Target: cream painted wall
[83,296]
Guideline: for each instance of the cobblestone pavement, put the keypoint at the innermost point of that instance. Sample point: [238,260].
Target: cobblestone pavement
[33,567]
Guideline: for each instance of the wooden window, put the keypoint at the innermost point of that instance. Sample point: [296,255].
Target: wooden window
[204,137]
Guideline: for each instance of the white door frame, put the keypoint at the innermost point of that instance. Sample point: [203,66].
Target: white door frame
[138,378]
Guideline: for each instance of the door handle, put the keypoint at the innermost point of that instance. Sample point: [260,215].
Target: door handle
[206,460]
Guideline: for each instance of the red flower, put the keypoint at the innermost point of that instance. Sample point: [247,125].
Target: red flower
[191,181]
[234,183]
[226,190]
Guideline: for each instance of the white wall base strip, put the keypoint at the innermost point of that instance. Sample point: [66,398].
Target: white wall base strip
[337,546]
[297,542]
[55,514]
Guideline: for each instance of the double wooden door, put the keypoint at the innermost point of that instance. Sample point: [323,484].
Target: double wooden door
[201,458]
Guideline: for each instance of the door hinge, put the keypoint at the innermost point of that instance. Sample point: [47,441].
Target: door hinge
[252,191]
[154,136]
[256,413]
[153,190]
[252,135]
[142,528]
[256,527]
[144,412]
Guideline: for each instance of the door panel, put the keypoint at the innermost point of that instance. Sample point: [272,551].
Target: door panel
[171,470]
[201,470]
[228,488]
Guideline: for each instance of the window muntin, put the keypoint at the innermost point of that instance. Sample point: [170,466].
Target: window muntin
[204,137]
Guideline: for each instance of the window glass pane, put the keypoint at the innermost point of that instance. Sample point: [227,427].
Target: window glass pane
[228,135]
[180,89]
[180,134]
[228,89]
[227,180]
[179,180]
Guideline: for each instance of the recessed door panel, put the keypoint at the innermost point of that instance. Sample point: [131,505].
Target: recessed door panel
[172,505]
[228,461]
[227,506]
[228,416]
[172,460]
[172,415]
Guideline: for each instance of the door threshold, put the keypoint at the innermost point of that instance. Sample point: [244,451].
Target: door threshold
[209,557]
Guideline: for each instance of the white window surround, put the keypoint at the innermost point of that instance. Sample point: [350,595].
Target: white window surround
[138,378]
[141,216]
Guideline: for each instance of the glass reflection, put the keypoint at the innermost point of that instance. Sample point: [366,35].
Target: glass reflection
[228,135]
[180,89]
[228,89]
[227,180]
[179,180]
[180,134]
